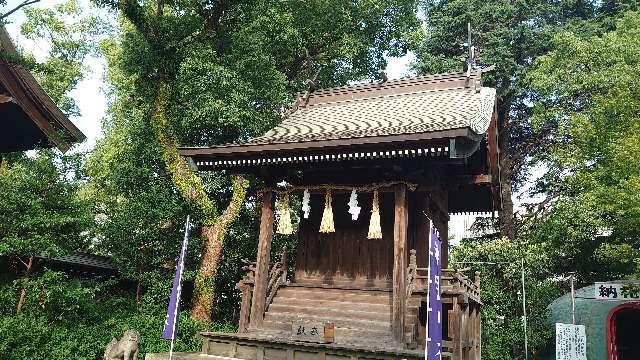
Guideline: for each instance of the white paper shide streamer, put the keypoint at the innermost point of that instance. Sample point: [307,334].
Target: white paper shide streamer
[354,209]
[306,207]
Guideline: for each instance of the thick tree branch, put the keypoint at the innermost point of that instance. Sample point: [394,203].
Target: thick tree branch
[204,292]
[188,184]
[20,6]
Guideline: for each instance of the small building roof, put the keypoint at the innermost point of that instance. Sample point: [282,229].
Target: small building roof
[29,117]
[405,117]
[405,106]
[361,133]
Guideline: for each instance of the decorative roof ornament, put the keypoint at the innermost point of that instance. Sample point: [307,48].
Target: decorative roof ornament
[472,64]
[383,75]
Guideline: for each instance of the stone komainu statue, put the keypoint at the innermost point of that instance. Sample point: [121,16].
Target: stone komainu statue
[124,349]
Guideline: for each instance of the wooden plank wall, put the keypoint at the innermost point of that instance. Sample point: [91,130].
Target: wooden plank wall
[346,257]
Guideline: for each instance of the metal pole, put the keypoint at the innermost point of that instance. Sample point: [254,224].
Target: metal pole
[524,310]
[171,350]
[573,299]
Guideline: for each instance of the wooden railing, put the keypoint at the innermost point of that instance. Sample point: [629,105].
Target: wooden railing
[453,284]
[277,278]
[245,285]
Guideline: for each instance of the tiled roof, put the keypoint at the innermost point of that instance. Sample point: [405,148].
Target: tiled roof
[405,106]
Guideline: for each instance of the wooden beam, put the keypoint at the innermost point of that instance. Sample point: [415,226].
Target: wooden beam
[399,261]
[480,179]
[5,98]
[262,262]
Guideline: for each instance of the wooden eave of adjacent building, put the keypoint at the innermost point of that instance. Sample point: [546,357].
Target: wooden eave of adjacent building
[29,117]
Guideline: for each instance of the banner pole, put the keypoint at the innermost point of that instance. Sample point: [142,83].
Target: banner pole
[171,350]
[573,299]
[426,342]
[524,310]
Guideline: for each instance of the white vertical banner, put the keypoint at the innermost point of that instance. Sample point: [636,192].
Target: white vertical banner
[571,342]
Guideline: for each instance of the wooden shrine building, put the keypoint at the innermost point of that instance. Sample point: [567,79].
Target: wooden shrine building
[29,118]
[416,150]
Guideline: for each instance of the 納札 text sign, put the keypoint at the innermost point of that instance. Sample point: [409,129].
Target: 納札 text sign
[617,291]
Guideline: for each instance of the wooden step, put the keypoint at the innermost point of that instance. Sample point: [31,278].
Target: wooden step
[352,296]
[332,304]
[329,312]
[339,322]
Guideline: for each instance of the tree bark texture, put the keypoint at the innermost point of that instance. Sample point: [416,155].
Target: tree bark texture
[23,291]
[506,217]
[204,291]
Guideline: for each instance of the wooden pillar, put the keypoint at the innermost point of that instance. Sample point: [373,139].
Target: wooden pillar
[399,261]
[444,236]
[245,308]
[262,262]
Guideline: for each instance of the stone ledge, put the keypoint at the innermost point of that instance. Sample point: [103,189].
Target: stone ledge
[185,356]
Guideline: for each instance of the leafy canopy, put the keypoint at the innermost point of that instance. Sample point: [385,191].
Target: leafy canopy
[41,211]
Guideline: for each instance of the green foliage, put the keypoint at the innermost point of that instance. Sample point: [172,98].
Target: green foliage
[589,93]
[501,287]
[511,35]
[41,211]
[71,35]
[67,318]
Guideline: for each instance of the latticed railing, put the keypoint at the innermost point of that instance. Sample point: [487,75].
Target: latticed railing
[455,282]
[277,278]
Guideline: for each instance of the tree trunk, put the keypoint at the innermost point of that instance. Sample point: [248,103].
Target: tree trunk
[505,218]
[23,291]
[138,292]
[192,190]
[204,291]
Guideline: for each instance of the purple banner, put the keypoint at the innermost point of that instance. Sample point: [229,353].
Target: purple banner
[433,348]
[171,322]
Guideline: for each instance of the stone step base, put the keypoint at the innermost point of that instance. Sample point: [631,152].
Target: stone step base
[252,346]
[186,356]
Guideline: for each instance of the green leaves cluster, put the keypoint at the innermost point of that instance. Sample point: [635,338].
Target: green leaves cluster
[70,35]
[588,91]
[71,318]
[41,210]
[501,291]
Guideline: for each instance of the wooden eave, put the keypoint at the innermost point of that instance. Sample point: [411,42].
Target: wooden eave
[240,152]
[20,88]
